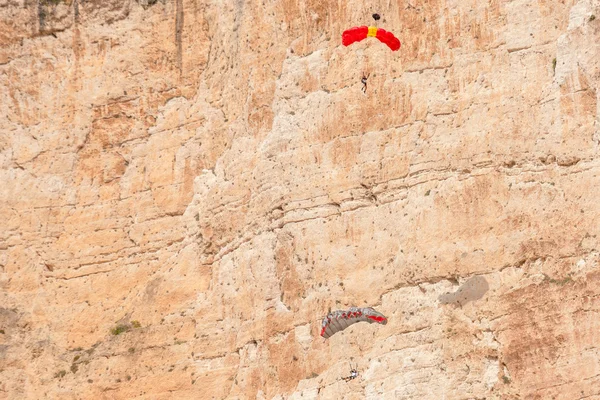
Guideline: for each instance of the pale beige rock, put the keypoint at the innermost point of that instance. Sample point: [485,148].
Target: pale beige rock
[209,176]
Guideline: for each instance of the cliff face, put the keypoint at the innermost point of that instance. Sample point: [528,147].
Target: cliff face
[187,187]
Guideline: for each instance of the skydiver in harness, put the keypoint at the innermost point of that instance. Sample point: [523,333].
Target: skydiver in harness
[353,374]
[364,82]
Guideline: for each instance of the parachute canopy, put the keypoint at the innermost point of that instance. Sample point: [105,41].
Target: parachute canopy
[339,320]
[359,33]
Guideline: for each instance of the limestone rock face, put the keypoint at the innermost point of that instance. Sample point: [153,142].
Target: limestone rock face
[187,187]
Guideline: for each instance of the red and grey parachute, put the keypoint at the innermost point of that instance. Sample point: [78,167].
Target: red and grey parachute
[359,33]
[339,320]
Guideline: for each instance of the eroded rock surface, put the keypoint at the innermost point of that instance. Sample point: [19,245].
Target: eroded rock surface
[189,186]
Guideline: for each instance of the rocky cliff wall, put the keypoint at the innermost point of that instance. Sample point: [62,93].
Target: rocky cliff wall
[187,187]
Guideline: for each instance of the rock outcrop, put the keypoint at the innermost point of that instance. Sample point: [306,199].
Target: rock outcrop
[187,187]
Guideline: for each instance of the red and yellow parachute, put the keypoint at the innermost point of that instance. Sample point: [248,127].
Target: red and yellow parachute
[359,33]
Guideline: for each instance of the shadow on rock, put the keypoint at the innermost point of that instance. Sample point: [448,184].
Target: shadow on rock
[473,289]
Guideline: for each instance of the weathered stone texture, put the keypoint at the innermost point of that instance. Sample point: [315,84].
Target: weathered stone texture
[208,177]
